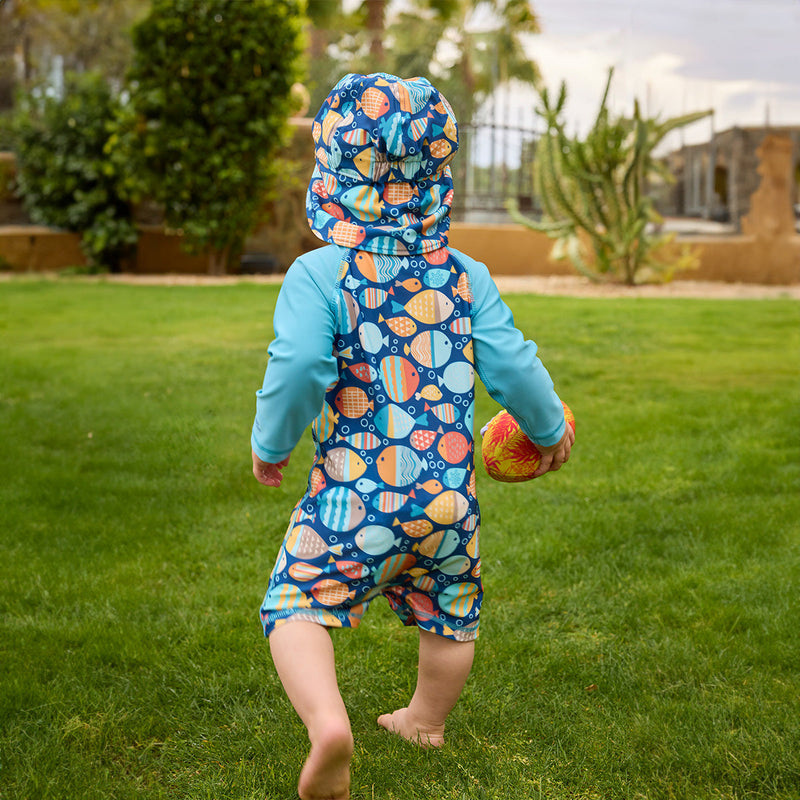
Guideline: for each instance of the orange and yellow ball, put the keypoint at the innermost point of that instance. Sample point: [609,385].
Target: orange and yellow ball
[508,454]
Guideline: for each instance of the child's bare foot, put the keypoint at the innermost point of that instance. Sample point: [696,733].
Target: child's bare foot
[326,773]
[403,724]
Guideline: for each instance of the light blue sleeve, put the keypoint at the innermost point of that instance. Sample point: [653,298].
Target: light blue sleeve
[508,364]
[301,363]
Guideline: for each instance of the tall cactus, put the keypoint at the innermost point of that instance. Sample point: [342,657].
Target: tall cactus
[593,195]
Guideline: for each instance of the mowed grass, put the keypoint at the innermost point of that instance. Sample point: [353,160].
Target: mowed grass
[640,632]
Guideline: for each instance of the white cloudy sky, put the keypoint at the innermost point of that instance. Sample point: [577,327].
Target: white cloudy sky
[741,57]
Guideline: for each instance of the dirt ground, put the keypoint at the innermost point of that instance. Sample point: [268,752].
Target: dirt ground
[568,285]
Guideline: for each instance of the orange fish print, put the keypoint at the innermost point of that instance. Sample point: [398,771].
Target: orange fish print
[400,326]
[325,423]
[446,412]
[430,392]
[347,234]
[392,567]
[422,440]
[352,569]
[441,148]
[472,546]
[364,372]
[353,402]
[416,528]
[374,102]
[330,592]
[438,256]
[372,297]
[464,290]
[319,188]
[453,447]
[302,571]
[399,193]
[316,482]
[421,606]
[400,378]
[329,125]
[333,209]
[462,325]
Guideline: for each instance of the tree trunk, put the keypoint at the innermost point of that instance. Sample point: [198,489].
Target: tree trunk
[218,261]
[376,23]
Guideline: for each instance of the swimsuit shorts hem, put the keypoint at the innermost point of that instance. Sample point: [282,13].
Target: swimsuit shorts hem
[328,619]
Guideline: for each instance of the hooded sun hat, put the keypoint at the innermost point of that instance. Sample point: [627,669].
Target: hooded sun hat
[381,182]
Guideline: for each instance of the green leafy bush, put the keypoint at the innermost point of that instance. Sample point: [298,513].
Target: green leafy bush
[64,177]
[209,99]
[593,194]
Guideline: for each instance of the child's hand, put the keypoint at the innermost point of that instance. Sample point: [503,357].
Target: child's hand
[266,473]
[555,456]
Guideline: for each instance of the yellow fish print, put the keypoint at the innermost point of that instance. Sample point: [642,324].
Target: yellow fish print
[428,307]
[431,392]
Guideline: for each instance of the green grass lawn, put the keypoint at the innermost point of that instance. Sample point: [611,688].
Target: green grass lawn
[641,626]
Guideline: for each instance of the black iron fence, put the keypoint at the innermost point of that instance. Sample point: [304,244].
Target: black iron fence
[495,165]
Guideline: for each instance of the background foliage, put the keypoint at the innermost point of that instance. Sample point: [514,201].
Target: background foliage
[435,38]
[63,173]
[80,35]
[209,97]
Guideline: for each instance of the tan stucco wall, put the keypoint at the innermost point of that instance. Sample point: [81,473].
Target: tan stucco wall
[515,250]
[506,249]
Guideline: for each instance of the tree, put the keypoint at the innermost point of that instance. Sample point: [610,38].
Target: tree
[436,38]
[80,35]
[468,61]
[209,98]
[593,194]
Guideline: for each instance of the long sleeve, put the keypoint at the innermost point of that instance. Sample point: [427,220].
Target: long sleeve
[301,363]
[508,364]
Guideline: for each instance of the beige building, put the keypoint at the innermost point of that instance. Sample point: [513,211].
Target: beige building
[715,180]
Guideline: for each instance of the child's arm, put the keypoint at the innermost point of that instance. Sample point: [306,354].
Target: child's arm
[301,362]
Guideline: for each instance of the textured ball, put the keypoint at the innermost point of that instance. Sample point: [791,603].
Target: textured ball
[508,454]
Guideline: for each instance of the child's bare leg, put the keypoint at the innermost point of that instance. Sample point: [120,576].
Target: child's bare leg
[444,666]
[303,656]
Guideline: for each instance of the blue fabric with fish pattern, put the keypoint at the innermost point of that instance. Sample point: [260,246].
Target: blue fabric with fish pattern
[390,507]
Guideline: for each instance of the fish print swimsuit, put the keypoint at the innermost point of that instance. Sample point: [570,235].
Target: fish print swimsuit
[390,508]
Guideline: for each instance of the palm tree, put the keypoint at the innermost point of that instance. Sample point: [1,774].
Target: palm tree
[467,47]
[470,47]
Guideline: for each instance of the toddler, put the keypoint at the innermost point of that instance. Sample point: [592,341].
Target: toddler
[378,337]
